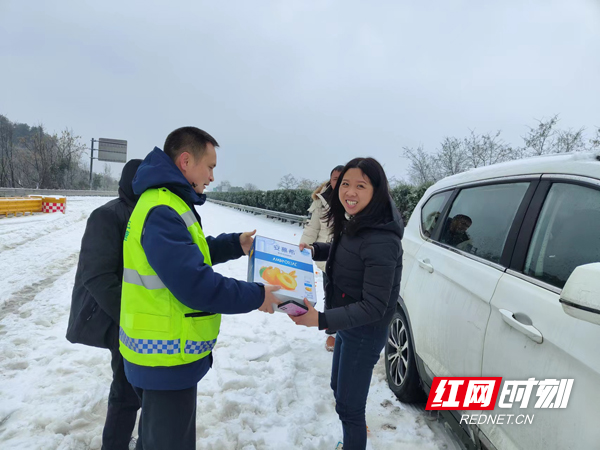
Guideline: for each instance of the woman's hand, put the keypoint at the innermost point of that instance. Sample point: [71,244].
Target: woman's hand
[310,319]
[308,246]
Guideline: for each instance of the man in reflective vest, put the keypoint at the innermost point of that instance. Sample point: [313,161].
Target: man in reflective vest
[172,300]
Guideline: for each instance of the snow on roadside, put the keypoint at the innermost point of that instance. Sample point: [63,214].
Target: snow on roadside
[38,249]
[268,389]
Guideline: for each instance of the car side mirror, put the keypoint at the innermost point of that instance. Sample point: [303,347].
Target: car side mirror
[580,298]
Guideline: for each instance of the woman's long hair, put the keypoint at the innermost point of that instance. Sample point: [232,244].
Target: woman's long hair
[377,211]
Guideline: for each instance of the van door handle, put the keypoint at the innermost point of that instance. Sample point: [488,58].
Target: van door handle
[526,328]
[425,264]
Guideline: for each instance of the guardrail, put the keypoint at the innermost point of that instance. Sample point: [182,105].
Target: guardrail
[20,205]
[285,217]
[23,192]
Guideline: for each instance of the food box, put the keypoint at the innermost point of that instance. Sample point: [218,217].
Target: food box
[282,264]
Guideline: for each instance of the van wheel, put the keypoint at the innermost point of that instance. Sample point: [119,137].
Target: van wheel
[400,364]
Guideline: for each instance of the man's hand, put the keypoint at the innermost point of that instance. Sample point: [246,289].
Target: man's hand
[270,299]
[246,241]
[310,319]
[308,246]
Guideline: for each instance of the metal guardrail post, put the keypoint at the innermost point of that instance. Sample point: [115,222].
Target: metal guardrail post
[300,220]
[23,192]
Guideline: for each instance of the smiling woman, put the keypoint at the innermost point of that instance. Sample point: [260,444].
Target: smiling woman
[356,191]
[364,265]
[363,194]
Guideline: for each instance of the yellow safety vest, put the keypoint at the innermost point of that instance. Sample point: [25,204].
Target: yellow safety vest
[156,328]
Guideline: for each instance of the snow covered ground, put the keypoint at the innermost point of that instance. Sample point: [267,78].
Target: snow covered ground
[268,389]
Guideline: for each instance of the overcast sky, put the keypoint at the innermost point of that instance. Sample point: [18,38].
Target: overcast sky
[299,86]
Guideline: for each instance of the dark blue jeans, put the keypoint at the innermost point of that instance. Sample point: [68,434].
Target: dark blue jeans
[355,354]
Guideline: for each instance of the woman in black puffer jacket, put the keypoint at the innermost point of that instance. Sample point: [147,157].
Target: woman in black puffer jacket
[364,266]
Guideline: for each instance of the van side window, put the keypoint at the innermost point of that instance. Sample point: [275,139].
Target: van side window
[567,234]
[480,219]
[431,211]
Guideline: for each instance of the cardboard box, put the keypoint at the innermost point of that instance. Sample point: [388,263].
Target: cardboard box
[283,264]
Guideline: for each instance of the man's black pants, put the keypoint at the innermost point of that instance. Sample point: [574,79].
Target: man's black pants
[168,419]
[123,404]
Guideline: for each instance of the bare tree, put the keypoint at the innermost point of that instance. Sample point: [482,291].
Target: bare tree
[451,158]
[494,150]
[69,152]
[107,170]
[570,141]
[486,149]
[305,183]
[394,182]
[107,182]
[541,139]
[250,187]
[224,186]
[422,165]
[42,157]
[7,162]
[595,141]
[288,182]
[473,150]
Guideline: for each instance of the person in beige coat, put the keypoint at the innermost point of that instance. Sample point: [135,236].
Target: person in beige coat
[316,230]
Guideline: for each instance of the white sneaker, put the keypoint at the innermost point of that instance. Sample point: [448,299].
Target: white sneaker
[340,446]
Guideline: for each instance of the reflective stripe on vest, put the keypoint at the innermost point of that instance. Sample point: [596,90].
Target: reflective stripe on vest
[148,281]
[156,328]
[189,218]
[169,347]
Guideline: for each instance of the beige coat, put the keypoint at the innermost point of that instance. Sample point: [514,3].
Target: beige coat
[316,230]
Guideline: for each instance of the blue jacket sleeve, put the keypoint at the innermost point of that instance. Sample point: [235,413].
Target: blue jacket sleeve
[179,264]
[224,247]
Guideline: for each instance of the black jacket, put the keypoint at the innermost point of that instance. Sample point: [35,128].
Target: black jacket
[96,299]
[364,273]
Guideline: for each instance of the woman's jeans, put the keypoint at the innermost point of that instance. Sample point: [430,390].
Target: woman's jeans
[355,354]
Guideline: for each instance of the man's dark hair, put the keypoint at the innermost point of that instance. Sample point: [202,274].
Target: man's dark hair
[379,209]
[463,218]
[188,139]
[337,169]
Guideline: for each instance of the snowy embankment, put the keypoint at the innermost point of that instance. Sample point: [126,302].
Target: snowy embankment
[268,389]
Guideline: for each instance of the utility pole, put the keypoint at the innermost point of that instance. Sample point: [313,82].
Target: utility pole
[91,162]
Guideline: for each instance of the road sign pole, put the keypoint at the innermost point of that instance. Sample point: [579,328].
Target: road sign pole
[91,162]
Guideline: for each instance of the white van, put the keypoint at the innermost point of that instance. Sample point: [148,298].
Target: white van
[501,278]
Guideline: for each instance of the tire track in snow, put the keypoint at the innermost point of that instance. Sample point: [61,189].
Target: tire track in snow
[29,292]
[44,231]
[41,258]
